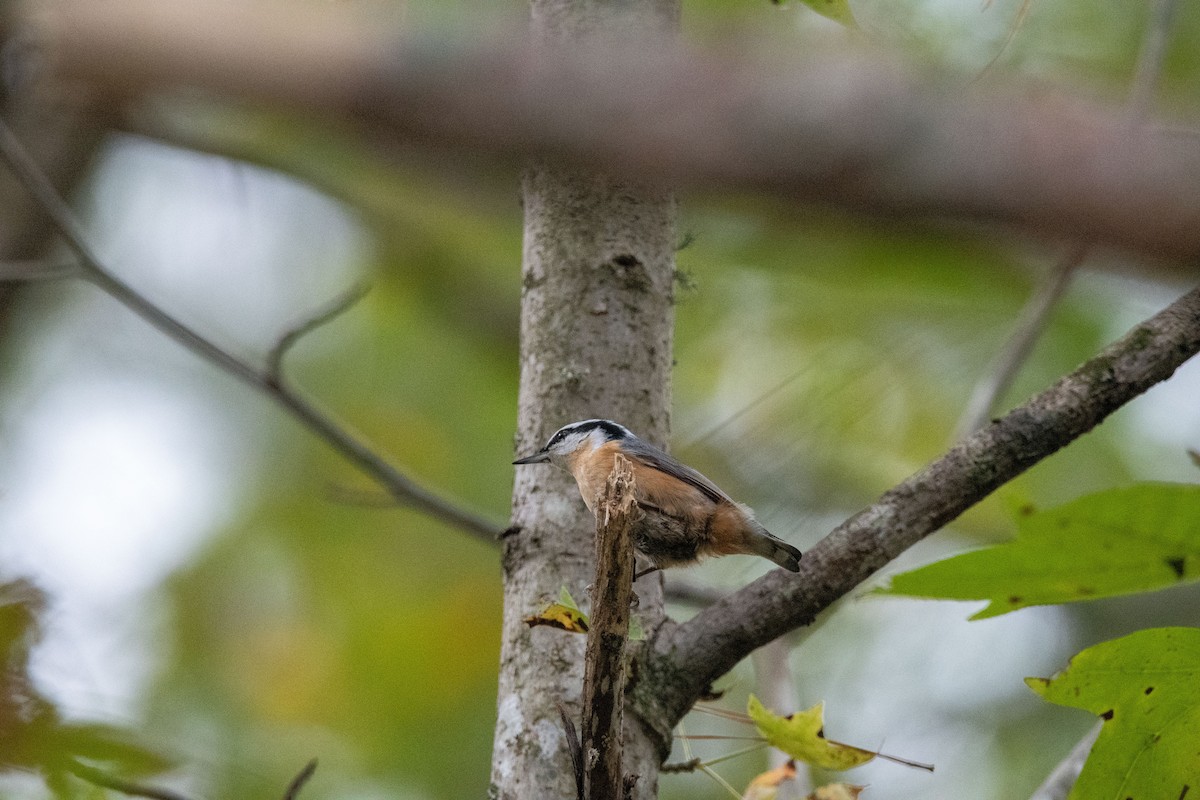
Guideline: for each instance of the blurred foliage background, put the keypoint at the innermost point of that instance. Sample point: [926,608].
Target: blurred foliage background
[222,585]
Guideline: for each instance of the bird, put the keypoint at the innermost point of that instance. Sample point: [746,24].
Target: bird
[685,516]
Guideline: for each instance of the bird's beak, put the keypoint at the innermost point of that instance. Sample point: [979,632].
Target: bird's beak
[537,458]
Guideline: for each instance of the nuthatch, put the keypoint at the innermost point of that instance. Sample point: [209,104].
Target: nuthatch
[685,516]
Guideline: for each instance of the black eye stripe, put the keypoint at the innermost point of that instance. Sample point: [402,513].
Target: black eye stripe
[611,430]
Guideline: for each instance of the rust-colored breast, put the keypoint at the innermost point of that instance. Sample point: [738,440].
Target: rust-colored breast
[681,523]
[591,471]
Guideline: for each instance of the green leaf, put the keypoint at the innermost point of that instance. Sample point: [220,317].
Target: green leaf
[1122,541]
[1146,688]
[836,10]
[565,599]
[802,736]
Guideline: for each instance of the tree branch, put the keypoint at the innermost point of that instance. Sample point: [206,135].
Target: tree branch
[1036,313]
[353,449]
[608,633]
[702,649]
[865,133]
[1060,782]
[302,778]
[335,308]
[1005,365]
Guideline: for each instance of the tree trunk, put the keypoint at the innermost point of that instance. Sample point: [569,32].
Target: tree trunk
[597,322]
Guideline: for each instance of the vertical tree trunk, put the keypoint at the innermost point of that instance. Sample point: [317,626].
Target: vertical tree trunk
[596,333]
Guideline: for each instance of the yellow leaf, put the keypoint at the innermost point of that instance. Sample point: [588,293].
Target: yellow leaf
[766,785]
[802,736]
[557,615]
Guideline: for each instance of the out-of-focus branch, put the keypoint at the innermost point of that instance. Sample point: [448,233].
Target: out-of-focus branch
[265,380]
[1003,369]
[862,132]
[1036,314]
[300,781]
[698,651]
[1060,782]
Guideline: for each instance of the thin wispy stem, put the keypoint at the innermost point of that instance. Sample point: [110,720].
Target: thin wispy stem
[297,783]
[1035,316]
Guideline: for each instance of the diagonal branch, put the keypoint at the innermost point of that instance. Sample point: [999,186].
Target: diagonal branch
[349,446]
[1005,365]
[1036,314]
[302,778]
[705,647]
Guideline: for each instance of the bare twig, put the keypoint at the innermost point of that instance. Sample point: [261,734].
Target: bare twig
[1150,60]
[355,450]
[999,375]
[336,307]
[1010,34]
[102,779]
[1036,314]
[1044,163]
[702,649]
[37,270]
[604,665]
[298,782]
[1060,782]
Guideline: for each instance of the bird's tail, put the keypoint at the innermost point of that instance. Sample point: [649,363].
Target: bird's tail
[768,545]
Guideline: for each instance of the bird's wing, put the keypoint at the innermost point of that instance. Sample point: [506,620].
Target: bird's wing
[651,456]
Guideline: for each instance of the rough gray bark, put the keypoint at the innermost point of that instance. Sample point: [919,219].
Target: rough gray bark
[596,334]
[604,665]
[597,321]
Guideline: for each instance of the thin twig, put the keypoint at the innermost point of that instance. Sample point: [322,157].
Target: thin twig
[1060,782]
[1011,34]
[353,449]
[298,782]
[102,779]
[1150,60]
[754,748]
[712,773]
[37,270]
[1036,313]
[339,305]
[1031,324]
